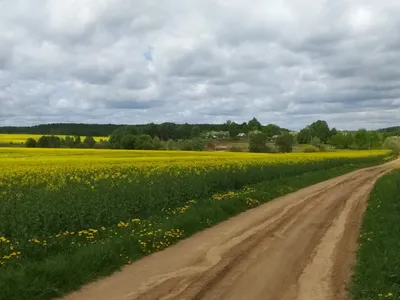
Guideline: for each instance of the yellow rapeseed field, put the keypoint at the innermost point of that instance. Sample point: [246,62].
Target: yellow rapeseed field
[59,203]
[21,138]
[34,165]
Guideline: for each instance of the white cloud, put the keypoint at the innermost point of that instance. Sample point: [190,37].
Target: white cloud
[283,61]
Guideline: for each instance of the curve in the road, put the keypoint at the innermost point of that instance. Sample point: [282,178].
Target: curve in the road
[300,246]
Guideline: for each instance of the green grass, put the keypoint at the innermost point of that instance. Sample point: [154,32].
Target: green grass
[68,261]
[377,272]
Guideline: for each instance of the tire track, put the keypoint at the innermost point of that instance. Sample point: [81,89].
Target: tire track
[299,246]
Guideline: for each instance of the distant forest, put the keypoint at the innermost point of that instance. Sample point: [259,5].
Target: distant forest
[193,137]
[164,131]
[395,129]
[63,129]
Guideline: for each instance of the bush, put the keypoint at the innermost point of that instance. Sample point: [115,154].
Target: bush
[101,145]
[157,145]
[258,143]
[192,145]
[51,141]
[144,142]
[270,149]
[89,142]
[30,143]
[235,149]
[170,145]
[309,149]
[128,142]
[392,143]
[315,141]
[284,143]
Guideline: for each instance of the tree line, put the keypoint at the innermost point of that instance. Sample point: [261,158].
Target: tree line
[318,135]
[362,139]
[69,129]
[172,136]
[164,131]
[52,141]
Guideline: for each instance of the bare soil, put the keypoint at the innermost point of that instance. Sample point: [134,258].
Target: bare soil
[300,246]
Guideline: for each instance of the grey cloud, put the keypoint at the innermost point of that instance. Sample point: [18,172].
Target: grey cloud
[96,74]
[129,104]
[284,62]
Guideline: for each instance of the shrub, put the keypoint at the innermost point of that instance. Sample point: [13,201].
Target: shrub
[284,143]
[323,148]
[235,149]
[392,143]
[309,149]
[258,143]
[315,141]
[30,143]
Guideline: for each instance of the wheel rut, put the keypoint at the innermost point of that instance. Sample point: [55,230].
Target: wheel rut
[300,246]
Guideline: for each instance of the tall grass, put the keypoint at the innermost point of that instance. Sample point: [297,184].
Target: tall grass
[377,272]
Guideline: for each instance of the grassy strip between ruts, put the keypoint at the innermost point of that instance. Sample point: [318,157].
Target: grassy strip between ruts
[59,274]
[377,272]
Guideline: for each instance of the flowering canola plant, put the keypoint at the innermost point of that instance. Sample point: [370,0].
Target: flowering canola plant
[21,138]
[57,199]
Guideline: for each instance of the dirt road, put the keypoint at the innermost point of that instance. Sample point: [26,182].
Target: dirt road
[299,246]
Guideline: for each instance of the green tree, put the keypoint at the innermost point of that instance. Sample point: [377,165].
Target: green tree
[144,142]
[361,140]
[315,141]
[244,127]
[333,132]
[234,129]
[118,134]
[157,143]
[304,136]
[197,145]
[374,139]
[284,143]
[167,131]
[43,142]
[254,125]
[192,145]
[392,143]
[195,131]
[68,142]
[51,141]
[77,140]
[184,131]
[30,143]
[128,142]
[258,143]
[271,129]
[341,140]
[89,141]
[170,145]
[151,129]
[54,141]
[320,129]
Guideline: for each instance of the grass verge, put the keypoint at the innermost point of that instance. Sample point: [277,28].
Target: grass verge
[377,272]
[90,254]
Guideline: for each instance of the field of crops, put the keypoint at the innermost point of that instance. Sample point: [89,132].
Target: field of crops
[21,138]
[68,216]
[377,273]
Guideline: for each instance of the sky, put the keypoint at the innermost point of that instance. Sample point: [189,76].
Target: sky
[286,62]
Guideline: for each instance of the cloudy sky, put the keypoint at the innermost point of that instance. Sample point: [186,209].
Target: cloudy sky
[287,62]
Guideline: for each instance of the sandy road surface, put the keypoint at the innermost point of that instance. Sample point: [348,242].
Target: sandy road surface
[299,246]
